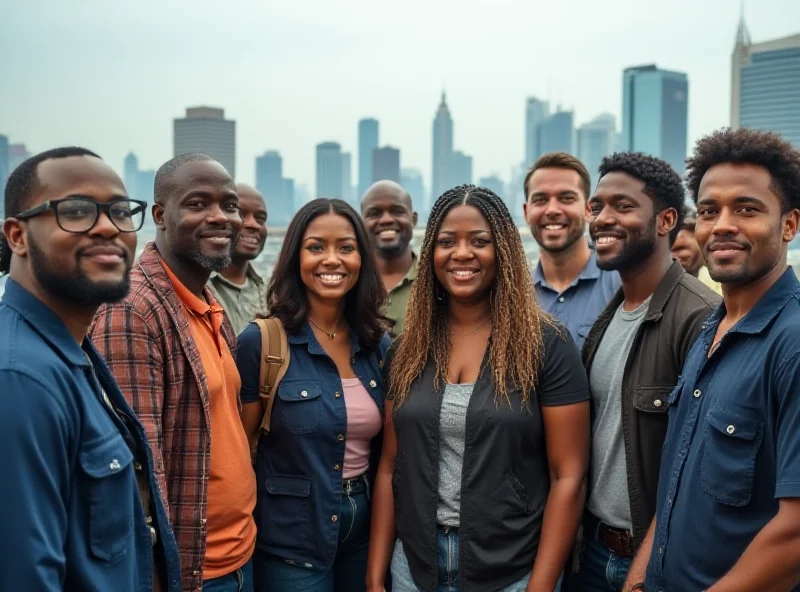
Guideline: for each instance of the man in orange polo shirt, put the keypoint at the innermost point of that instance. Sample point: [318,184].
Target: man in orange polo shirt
[169,344]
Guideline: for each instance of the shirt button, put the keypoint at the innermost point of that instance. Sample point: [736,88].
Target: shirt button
[334,518]
[661,550]
[203,521]
[380,364]
[304,394]
[697,394]
[352,361]
[114,466]
[561,299]
[340,437]
[196,572]
[730,429]
[373,384]
[669,502]
[657,403]
[337,394]
[336,467]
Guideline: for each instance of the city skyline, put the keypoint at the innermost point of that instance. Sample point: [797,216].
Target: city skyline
[489,118]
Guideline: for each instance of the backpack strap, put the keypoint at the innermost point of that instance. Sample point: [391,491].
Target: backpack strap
[274,363]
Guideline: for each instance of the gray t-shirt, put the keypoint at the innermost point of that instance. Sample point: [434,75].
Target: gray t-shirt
[452,425]
[608,474]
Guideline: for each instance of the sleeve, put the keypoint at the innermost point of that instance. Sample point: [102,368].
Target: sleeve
[690,328]
[133,352]
[787,390]
[248,360]
[562,377]
[34,462]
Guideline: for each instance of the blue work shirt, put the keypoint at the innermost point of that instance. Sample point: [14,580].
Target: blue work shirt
[732,449]
[300,461]
[581,303]
[72,513]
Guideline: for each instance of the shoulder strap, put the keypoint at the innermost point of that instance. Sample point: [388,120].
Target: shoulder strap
[274,363]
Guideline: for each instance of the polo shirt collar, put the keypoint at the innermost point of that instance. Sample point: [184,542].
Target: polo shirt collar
[766,309]
[590,271]
[45,322]
[251,273]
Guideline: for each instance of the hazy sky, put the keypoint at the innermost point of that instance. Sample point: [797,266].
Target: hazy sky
[297,72]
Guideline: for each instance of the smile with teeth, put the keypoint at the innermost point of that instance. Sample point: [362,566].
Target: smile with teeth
[606,240]
[218,240]
[464,274]
[249,240]
[555,226]
[331,278]
[387,233]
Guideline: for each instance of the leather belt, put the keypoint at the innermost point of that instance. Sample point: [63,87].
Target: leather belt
[619,541]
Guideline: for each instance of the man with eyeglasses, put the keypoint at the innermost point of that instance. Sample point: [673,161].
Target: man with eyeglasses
[80,507]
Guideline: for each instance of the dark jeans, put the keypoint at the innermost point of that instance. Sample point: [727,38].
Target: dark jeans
[349,570]
[239,581]
[601,569]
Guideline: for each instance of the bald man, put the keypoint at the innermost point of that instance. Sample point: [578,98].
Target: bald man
[390,219]
[238,287]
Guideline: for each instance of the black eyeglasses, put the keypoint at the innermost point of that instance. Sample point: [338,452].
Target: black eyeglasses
[79,214]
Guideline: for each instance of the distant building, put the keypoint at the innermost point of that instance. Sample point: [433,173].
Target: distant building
[442,150]
[271,184]
[131,173]
[412,182]
[765,84]
[386,164]
[556,133]
[4,172]
[596,140]
[494,184]
[205,130]
[536,112]
[655,113]
[460,169]
[17,154]
[347,178]
[329,170]
[289,197]
[146,185]
[367,142]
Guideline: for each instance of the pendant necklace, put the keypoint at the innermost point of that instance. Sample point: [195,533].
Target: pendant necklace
[331,335]
[471,332]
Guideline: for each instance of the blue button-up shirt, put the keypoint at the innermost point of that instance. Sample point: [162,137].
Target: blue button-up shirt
[581,303]
[300,461]
[732,449]
[72,513]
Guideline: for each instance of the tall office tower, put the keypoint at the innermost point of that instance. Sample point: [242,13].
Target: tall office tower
[765,84]
[205,130]
[4,172]
[556,133]
[329,170]
[131,174]
[442,150]
[494,184]
[386,164]
[270,183]
[460,169]
[536,112]
[367,142]
[347,179]
[596,140]
[655,113]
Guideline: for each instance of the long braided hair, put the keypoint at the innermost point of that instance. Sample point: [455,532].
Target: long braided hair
[516,346]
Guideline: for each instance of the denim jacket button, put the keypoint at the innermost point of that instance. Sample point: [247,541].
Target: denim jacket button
[373,384]
[304,394]
[334,518]
[337,394]
[340,437]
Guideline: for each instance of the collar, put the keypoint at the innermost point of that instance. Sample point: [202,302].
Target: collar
[659,298]
[252,274]
[305,336]
[45,322]
[590,271]
[766,309]
[413,270]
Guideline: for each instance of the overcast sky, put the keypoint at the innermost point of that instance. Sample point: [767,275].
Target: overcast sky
[297,72]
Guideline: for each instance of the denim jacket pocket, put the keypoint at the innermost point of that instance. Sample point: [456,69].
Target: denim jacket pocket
[300,405]
[728,463]
[286,504]
[110,489]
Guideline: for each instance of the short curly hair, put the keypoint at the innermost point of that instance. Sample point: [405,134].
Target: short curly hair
[749,146]
[661,183]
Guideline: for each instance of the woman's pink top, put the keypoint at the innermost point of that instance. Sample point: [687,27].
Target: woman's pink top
[363,423]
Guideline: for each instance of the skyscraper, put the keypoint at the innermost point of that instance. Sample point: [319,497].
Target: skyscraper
[329,170]
[442,150]
[205,130]
[536,112]
[494,184]
[347,178]
[412,182]
[655,113]
[271,184]
[765,84]
[131,174]
[460,169]
[386,164]
[4,172]
[367,142]
[556,133]
[595,140]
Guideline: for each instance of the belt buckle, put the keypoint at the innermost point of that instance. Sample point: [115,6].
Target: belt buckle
[348,486]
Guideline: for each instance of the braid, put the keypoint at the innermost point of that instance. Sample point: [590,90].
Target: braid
[514,362]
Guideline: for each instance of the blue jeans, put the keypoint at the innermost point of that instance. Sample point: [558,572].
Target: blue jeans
[449,580]
[349,570]
[601,569]
[239,581]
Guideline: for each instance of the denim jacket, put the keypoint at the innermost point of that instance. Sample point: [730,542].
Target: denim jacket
[300,461]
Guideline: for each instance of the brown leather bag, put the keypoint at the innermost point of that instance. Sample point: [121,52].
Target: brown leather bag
[274,363]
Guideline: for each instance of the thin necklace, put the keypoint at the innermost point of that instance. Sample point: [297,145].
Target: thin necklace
[331,335]
[471,332]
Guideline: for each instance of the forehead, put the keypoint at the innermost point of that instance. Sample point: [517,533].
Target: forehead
[386,198]
[554,180]
[250,201]
[729,180]
[76,175]
[466,218]
[617,183]
[202,173]
[330,225]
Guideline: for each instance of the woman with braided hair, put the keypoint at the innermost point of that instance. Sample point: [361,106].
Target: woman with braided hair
[486,439]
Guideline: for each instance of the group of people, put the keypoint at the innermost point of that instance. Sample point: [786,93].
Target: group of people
[622,417]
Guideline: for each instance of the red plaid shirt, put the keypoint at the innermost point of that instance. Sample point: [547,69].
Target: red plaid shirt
[147,343]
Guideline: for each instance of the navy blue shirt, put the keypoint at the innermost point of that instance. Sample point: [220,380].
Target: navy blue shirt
[300,461]
[581,303]
[732,449]
[72,513]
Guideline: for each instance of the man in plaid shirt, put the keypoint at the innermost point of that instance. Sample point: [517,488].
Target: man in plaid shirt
[170,347]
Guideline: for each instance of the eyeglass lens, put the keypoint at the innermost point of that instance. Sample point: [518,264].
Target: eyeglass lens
[80,215]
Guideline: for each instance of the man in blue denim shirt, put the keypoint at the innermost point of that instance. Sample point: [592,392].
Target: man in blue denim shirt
[728,500]
[80,508]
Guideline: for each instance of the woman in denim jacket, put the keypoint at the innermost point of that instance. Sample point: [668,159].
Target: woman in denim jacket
[316,466]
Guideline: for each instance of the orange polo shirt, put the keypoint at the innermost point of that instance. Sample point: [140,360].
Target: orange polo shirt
[230,528]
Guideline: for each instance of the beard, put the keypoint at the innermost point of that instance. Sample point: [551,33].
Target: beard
[636,249]
[189,249]
[76,286]
[573,235]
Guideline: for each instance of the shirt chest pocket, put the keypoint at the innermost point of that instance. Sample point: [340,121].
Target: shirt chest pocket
[728,463]
[110,490]
[300,405]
